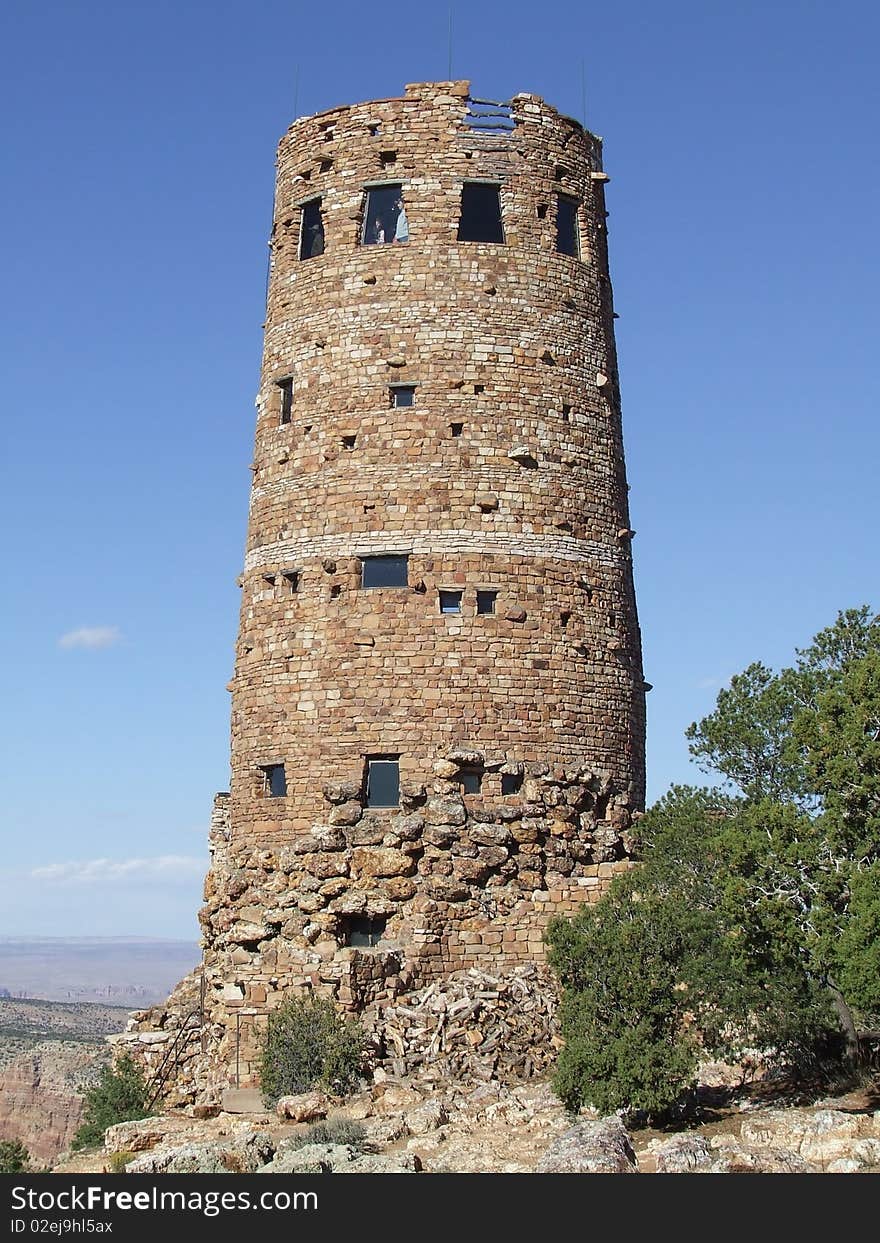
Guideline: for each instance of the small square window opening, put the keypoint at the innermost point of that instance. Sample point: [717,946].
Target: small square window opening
[567,242]
[349,442]
[511,783]
[450,601]
[390,571]
[480,219]
[275,780]
[311,238]
[291,578]
[383,781]
[470,780]
[486,601]
[456,428]
[403,395]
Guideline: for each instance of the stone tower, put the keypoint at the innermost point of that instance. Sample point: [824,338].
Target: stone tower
[438,699]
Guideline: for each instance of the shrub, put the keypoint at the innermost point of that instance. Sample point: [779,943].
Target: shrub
[333,1131]
[14,1157]
[120,1095]
[310,1044]
[119,1160]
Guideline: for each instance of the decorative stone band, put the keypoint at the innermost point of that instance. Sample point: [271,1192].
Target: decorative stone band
[491,472]
[426,543]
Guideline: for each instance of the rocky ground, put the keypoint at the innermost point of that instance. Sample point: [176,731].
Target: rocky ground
[491,1128]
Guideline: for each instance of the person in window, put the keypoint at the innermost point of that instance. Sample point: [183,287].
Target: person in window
[401,229]
[316,240]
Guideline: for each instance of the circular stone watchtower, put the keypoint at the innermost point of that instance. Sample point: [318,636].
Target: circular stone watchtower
[438,699]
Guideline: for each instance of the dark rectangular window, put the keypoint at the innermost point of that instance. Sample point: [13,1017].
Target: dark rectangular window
[486,601]
[286,389]
[291,578]
[383,781]
[470,780]
[384,216]
[311,237]
[364,930]
[403,395]
[456,428]
[384,571]
[450,601]
[511,783]
[276,781]
[567,241]
[480,219]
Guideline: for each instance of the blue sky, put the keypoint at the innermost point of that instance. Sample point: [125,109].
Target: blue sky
[138,168]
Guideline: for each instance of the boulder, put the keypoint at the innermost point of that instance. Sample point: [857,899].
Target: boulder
[600,1147]
[306,1107]
[682,1154]
[243,1154]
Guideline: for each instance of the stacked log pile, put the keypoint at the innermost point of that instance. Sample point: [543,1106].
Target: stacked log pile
[472,1027]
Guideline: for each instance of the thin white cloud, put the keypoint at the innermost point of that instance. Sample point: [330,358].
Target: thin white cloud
[715,682]
[161,869]
[91,637]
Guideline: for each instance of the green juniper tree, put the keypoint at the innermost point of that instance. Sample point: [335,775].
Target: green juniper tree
[753,919]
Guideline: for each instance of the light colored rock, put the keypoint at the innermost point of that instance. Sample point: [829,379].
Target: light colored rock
[680,1154]
[306,1107]
[242,1154]
[426,1117]
[600,1147]
[134,1136]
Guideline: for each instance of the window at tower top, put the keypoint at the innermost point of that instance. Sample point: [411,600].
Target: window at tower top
[480,219]
[384,215]
[567,242]
[311,235]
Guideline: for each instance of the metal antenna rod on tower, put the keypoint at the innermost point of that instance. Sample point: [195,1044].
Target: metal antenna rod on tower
[449,65]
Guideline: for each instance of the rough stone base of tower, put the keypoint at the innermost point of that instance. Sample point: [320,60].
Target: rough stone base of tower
[448,881]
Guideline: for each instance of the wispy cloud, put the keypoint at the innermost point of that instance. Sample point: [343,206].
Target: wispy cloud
[91,637]
[161,869]
[715,682]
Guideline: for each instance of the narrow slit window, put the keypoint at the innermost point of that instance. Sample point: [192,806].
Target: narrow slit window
[285,387]
[480,219]
[450,601]
[385,571]
[511,783]
[384,216]
[275,780]
[567,226]
[383,781]
[403,395]
[470,780]
[311,238]
[486,601]
[364,930]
